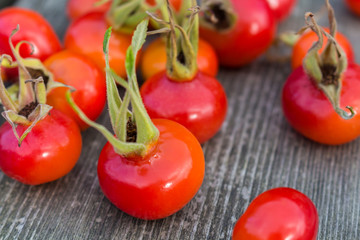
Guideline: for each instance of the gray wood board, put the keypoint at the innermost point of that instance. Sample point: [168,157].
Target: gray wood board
[255,150]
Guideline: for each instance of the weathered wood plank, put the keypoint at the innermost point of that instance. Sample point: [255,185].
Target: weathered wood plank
[255,150]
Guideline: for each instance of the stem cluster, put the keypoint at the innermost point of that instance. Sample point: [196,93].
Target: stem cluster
[119,108]
[326,69]
[182,40]
[25,102]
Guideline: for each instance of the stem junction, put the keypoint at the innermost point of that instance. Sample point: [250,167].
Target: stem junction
[124,122]
[327,68]
[24,103]
[182,40]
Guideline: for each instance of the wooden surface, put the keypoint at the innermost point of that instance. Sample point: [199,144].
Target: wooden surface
[255,150]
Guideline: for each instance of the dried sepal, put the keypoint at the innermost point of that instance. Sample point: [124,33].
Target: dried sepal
[327,68]
[26,94]
[40,89]
[5,96]
[39,113]
[14,118]
[312,62]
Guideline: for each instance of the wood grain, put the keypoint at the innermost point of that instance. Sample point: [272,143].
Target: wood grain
[255,150]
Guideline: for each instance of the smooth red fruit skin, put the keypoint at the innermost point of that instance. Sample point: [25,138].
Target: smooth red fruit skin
[307,39]
[281,8]
[308,110]
[161,183]
[82,74]
[278,214]
[354,5]
[47,153]
[251,36]
[153,59]
[33,28]
[77,8]
[85,36]
[200,104]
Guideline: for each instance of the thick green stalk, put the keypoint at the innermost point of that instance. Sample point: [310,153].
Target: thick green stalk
[120,147]
[182,42]
[125,15]
[29,94]
[146,132]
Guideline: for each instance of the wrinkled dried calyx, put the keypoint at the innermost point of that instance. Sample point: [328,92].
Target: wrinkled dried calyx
[326,69]
[24,103]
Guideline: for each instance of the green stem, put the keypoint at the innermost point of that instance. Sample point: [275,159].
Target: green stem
[125,15]
[163,10]
[289,38]
[5,97]
[40,90]
[122,118]
[182,41]
[311,61]
[122,148]
[26,94]
[113,98]
[147,134]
